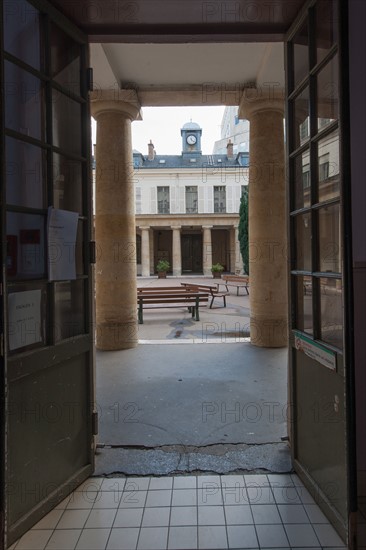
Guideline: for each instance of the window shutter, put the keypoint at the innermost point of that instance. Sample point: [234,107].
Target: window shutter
[153,201]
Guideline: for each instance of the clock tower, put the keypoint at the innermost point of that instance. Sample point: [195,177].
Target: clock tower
[191,139]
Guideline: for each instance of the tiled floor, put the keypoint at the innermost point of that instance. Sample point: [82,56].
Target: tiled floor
[185,512]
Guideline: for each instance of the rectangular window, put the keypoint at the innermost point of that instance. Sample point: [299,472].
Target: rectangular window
[191,199]
[163,200]
[220,198]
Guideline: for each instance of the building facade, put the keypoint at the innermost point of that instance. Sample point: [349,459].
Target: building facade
[187,207]
[235,129]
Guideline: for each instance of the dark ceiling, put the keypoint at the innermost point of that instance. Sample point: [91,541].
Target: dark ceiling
[181,20]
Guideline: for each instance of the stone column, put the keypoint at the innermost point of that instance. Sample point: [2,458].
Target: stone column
[267,220]
[145,251]
[177,251]
[207,250]
[115,232]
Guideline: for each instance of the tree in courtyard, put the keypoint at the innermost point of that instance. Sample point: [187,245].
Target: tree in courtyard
[244,229]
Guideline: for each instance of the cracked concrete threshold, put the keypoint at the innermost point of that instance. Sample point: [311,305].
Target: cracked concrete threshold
[187,459]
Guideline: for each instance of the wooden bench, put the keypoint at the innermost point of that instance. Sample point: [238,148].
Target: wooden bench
[212,290]
[239,281]
[169,297]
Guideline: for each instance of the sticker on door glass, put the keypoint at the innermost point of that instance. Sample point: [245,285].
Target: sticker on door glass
[315,351]
[24,319]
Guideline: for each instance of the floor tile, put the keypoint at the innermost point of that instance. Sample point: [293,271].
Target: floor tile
[161,483]
[153,538]
[183,515]
[327,535]
[209,496]
[256,480]
[315,514]
[296,480]
[293,513]
[62,505]
[260,495]
[101,519]
[212,538]
[301,535]
[280,480]
[137,484]
[93,539]
[265,514]
[156,517]
[184,497]
[133,499]
[242,536]
[235,495]
[305,496]
[232,481]
[182,537]
[286,495]
[272,536]
[238,515]
[128,517]
[73,519]
[81,500]
[113,484]
[92,484]
[34,540]
[64,539]
[158,498]
[211,515]
[208,481]
[185,482]
[50,520]
[123,539]
[107,499]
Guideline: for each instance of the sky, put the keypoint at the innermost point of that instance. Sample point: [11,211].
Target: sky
[162,125]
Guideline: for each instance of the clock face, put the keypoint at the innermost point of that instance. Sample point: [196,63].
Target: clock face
[191,139]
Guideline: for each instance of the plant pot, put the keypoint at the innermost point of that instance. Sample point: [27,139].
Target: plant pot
[216,274]
[161,274]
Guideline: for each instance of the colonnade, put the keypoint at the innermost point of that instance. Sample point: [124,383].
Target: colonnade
[115,228]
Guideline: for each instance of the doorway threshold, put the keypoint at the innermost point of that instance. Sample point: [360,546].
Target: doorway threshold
[197,341]
[189,459]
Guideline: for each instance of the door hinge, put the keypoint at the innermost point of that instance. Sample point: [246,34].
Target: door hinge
[92,252]
[94,423]
[89,79]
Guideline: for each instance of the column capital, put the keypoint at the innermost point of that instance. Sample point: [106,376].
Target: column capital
[124,102]
[144,227]
[207,226]
[176,227]
[256,100]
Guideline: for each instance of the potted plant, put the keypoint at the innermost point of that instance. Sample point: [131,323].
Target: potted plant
[216,270]
[162,267]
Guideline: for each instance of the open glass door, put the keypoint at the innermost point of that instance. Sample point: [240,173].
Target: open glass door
[318,359]
[48,337]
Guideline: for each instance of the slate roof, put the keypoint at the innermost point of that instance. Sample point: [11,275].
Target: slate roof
[184,161]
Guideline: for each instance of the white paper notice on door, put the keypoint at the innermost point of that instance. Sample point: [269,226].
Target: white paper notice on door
[62,228]
[24,318]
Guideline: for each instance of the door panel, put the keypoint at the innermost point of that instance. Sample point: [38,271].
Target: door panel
[48,344]
[317,352]
[191,253]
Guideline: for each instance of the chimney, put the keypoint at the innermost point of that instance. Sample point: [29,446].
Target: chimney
[151,151]
[230,150]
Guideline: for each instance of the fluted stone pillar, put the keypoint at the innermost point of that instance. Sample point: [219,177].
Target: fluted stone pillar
[267,221]
[115,231]
[145,251]
[207,250]
[177,251]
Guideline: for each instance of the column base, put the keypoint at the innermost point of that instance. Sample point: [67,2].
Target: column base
[116,336]
[268,332]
